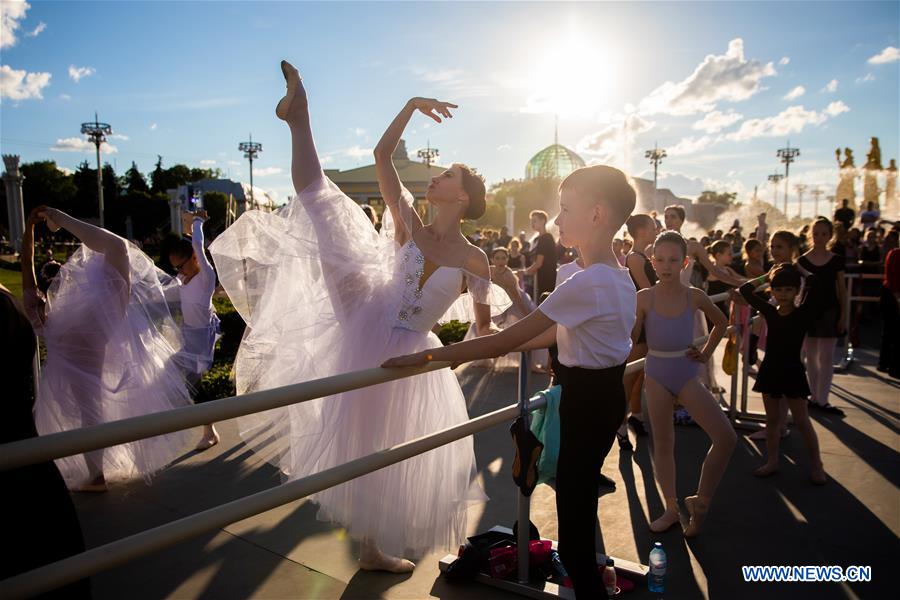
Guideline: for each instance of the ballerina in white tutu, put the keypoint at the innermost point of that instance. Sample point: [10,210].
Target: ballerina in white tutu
[323,293]
[110,340]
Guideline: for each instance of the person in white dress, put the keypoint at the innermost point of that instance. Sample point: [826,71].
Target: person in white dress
[110,341]
[199,323]
[323,293]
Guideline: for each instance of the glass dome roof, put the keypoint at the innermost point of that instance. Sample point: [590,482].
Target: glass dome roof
[554,161]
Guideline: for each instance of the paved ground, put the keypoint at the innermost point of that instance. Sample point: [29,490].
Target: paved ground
[286,553]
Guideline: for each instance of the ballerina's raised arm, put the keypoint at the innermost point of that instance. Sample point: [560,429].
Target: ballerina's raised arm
[406,219]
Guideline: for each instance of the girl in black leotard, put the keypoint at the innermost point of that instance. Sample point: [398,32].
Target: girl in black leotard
[830,323]
[782,377]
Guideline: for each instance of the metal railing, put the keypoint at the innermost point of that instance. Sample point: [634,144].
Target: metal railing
[847,359]
[57,445]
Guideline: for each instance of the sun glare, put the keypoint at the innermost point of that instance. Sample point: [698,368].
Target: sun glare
[572,76]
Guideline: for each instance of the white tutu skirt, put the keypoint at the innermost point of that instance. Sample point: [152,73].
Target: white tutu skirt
[320,289]
[109,357]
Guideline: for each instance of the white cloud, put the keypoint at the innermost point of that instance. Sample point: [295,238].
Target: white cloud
[614,144]
[784,60]
[791,120]
[11,12]
[266,171]
[78,73]
[795,93]
[831,86]
[234,162]
[152,126]
[118,136]
[357,152]
[65,97]
[65,170]
[729,77]
[716,121]
[503,147]
[869,77]
[75,144]
[37,30]
[837,107]
[206,162]
[888,55]
[453,83]
[358,131]
[22,85]
[691,145]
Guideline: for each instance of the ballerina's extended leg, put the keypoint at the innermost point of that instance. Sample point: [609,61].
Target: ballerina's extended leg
[294,109]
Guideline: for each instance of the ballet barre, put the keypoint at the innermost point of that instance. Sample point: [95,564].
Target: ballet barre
[118,552]
[847,359]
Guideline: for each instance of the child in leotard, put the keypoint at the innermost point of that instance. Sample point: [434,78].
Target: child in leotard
[672,372]
[782,377]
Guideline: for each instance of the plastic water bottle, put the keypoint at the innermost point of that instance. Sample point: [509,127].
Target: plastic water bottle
[609,577]
[656,580]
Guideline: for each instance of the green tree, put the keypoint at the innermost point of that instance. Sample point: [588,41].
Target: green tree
[134,180]
[725,199]
[45,184]
[215,203]
[494,215]
[529,195]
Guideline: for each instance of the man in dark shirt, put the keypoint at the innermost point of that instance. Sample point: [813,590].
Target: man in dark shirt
[845,215]
[543,256]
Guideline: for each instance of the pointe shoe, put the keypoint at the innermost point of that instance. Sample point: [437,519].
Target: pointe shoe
[292,79]
[697,508]
[383,562]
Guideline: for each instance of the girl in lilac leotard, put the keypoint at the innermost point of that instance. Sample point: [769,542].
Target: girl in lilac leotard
[668,339]
[672,373]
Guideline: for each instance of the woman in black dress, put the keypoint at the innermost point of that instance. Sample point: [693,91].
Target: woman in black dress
[831,321]
[782,377]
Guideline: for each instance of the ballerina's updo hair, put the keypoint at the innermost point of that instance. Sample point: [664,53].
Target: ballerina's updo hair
[785,275]
[473,183]
[671,237]
[46,275]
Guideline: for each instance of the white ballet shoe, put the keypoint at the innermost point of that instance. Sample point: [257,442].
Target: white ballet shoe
[383,562]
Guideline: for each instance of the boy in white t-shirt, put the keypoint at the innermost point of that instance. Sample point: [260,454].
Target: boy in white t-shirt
[590,317]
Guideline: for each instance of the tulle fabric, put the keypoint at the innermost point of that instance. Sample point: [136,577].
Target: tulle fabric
[323,293]
[110,350]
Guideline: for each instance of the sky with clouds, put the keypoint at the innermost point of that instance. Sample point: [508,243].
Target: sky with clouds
[720,86]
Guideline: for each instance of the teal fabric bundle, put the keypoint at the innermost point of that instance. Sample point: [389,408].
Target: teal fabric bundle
[545,426]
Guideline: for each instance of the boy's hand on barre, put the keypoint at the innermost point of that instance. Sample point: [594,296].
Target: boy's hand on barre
[410,360]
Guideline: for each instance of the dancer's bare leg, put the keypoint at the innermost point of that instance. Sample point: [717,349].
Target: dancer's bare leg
[294,109]
[660,404]
[802,422]
[773,425]
[706,413]
[373,559]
